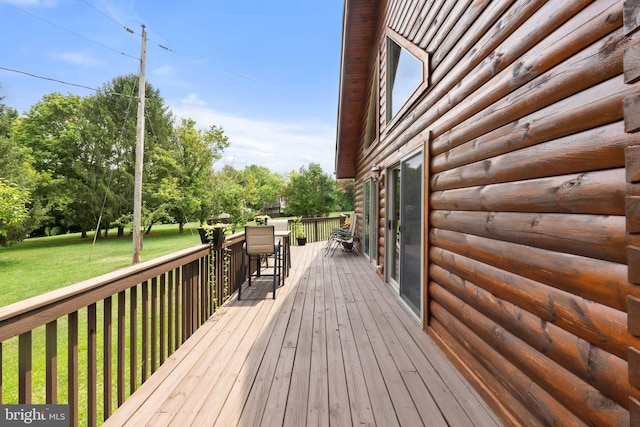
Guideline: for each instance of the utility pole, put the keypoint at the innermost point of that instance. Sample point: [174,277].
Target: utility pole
[137,187]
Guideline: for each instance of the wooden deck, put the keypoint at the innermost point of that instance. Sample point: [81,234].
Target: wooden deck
[334,348]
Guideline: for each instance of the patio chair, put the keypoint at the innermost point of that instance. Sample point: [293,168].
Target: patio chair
[282,225]
[341,236]
[260,242]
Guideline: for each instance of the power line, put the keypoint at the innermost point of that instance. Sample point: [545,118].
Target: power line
[79,35]
[104,14]
[47,78]
[63,82]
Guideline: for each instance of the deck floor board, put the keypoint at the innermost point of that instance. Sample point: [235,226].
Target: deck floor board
[335,348]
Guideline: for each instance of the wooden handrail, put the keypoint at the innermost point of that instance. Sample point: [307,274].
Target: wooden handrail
[318,229]
[141,315]
[166,299]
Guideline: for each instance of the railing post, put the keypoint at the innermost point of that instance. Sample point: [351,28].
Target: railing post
[72,366]
[107,357]
[92,361]
[52,362]
[24,367]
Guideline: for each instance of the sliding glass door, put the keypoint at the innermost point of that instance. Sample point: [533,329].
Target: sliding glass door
[405,231]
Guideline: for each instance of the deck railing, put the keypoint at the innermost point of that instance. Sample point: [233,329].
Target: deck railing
[319,229]
[92,344]
[97,341]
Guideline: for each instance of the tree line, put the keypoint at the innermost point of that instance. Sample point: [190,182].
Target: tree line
[68,166]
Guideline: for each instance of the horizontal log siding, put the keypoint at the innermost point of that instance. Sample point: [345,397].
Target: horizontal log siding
[527,278]
[631,25]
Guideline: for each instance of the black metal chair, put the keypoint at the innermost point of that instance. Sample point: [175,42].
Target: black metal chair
[260,242]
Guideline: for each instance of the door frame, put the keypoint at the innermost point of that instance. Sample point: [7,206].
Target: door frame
[390,240]
[372,254]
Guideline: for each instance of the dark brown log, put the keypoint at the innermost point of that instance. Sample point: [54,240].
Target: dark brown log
[468,23]
[565,119]
[633,259]
[600,281]
[439,100]
[597,149]
[471,96]
[632,63]
[589,53]
[595,236]
[445,20]
[632,163]
[427,19]
[634,412]
[415,23]
[632,205]
[602,326]
[593,365]
[598,193]
[410,17]
[633,313]
[577,396]
[500,398]
[632,113]
[631,16]
[634,367]
[544,407]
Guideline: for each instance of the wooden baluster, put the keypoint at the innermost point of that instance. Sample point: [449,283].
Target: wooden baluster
[170,314]
[154,324]
[107,379]
[185,302]
[72,366]
[177,307]
[92,362]
[52,362]
[133,339]
[163,314]
[122,302]
[145,331]
[24,368]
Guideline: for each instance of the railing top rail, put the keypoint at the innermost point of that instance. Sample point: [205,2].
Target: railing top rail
[28,314]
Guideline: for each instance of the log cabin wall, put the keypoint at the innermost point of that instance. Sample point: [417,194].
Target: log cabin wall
[529,126]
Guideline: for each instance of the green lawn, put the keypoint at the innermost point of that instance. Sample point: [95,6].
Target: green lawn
[39,265]
[36,266]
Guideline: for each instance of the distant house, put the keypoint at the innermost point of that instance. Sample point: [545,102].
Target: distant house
[497,168]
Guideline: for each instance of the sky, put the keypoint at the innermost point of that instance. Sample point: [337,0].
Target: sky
[267,72]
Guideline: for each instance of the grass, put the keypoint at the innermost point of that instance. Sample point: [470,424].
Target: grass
[39,265]
[36,266]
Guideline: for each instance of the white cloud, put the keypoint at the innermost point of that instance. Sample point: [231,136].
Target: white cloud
[163,71]
[79,58]
[281,146]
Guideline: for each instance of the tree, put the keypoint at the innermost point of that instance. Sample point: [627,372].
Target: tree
[347,195]
[228,196]
[261,186]
[18,214]
[51,133]
[195,152]
[111,113]
[310,192]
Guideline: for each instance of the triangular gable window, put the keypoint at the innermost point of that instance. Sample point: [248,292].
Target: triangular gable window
[406,73]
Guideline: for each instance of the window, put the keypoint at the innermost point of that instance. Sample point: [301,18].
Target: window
[371,133]
[406,73]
